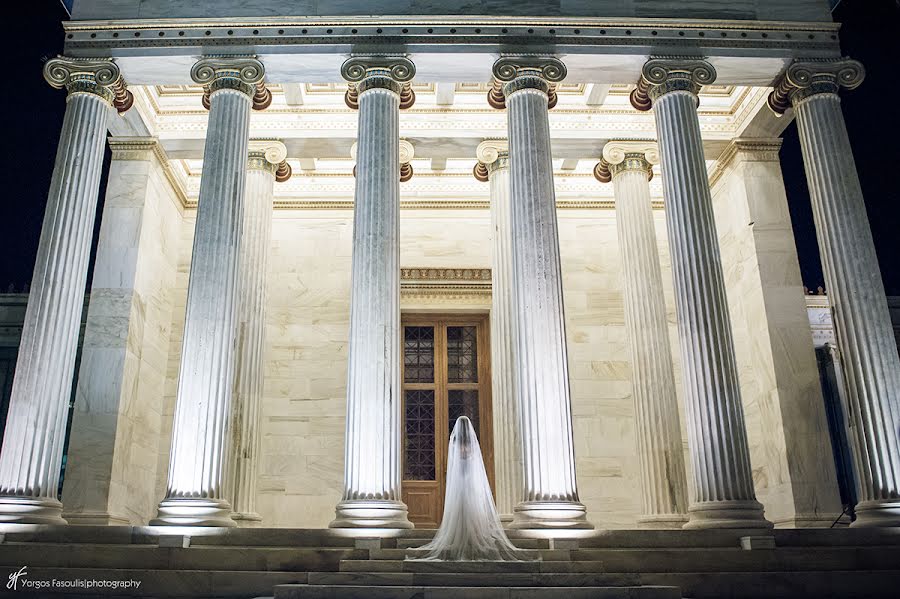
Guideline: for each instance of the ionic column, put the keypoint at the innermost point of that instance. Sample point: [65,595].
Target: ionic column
[493,166]
[196,494]
[862,322]
[373,452]
[550,498]
[722,493]
[265,165]
[36,423]
[629,165]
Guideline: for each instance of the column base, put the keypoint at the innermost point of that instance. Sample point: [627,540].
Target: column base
[370,513]
[95,519]
[246,519]
[727,514]
[192,511]
[30,510]
[662,521]
[880,513]
[550,515]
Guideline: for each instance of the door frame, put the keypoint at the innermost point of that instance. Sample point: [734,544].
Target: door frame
[441,320]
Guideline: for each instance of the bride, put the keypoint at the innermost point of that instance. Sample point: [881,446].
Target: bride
[470,529]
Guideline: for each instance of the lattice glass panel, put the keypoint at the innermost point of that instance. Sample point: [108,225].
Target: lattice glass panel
[463,403]
[420,458]
[418,354]
[462,355]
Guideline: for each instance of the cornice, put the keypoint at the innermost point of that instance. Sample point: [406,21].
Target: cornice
[389,21]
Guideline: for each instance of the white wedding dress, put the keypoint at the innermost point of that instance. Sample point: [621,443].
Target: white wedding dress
[470,529]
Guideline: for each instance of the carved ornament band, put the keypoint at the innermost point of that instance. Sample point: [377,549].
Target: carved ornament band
[99,77]
[660,76]
[241,73]
[805,78]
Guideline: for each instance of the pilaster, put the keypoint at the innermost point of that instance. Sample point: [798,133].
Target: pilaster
[113,446]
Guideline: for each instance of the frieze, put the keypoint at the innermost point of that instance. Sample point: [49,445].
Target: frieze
[445,274]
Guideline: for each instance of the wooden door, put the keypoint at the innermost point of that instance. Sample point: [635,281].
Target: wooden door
[446,374]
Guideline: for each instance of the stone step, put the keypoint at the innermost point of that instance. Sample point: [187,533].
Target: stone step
[661,560]
[458,579]
[881,584]
[306,591]
[521,543]
[784,537]
[299,559]
[378,554]
[147,535]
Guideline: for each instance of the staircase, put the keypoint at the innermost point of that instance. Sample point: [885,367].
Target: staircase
[301,563]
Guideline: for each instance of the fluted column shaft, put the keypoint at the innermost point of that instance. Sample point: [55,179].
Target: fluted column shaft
[373,450]
[550,497]
[36,423]
[664,496]
[507,441]
[722,481]
[856,294]
[196,493]
[251,331]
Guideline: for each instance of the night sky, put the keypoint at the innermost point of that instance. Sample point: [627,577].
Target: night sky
[32,116]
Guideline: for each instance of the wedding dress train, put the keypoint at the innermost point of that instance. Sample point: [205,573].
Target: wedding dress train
[470,529]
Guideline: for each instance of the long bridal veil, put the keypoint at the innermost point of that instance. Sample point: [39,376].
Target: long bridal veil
[470,529]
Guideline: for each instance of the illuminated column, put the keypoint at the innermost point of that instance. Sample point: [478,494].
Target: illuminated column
[493,166]
[629,165]
[39,404]
[550,498]
[723,495]
[372,457]
[265,165]
[196,495]
[862,322]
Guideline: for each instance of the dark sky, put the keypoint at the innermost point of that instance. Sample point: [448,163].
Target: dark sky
[32,115]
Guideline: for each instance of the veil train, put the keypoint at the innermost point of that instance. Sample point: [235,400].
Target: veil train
[470,529]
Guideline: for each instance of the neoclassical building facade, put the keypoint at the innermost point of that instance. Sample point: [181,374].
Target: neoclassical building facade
[326,237]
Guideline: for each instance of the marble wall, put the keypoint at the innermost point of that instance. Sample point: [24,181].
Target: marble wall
[790,450]
[302,428]
[764,10]
[127,385]
[117,418]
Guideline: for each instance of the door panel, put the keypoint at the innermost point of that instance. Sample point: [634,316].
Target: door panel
[446,374]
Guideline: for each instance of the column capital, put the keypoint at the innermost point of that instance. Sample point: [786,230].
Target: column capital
[393,73]
[90,75]
[665,74]
[407,151]
[514,73]
[269,155]
[807,77]
[245,74]
[492,154]
[626,155]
